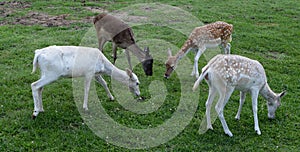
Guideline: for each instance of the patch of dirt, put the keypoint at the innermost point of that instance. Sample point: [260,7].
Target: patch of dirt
[38,18]
[7,8]
[16,4]
[43,19]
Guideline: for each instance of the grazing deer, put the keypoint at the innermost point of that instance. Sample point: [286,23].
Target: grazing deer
[207,36]
[110,28]
[224,74]
[73,61]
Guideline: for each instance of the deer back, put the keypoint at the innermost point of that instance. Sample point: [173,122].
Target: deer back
[114,29]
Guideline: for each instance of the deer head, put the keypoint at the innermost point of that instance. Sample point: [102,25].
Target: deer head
[273,104]
[133,83]
[170,64]
[148,62]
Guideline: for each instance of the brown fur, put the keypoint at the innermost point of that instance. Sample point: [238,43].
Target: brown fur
[99,17]
[110,28]
[217,33]
[206,33]
[124,38]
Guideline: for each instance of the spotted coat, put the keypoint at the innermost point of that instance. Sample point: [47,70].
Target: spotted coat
[207,36]
[226,73]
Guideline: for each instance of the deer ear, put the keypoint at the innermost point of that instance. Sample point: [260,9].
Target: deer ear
[169,52]
[283,93]
[146,49]
[129,73]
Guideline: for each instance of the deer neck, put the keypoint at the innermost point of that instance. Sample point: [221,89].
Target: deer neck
[114,72]
[139,53]
[120,75]
[184,49]
[267,93]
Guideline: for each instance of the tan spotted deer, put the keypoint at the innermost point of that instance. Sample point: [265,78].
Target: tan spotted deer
[224,74]
[203,37]
[110,28]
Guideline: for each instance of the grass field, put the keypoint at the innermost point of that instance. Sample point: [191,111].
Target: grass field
[267,31]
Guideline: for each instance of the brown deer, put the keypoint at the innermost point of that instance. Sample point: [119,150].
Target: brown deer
[110,28]
[207,36]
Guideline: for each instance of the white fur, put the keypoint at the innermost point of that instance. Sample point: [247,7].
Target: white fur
[75,61]
[224,74]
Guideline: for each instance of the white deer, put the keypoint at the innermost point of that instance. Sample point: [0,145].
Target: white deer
[110,28]
[224,74]
[201,38]
[75,61]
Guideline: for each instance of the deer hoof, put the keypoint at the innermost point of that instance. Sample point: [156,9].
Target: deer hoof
[258,132]
[140,99]
[112,98]
[209,127]
[33,117]
[229,134]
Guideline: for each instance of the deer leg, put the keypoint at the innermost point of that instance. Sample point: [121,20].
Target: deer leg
[195,71]
[114,49]
[226,47]
[37,88]
[35,94]
[128,59]
[40,99]
[100,80]
[242,100]
[211,96]
[224,97]
[254,96]
[86,92]
[101,42]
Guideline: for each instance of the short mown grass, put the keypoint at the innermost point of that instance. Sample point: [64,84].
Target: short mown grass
[267,31]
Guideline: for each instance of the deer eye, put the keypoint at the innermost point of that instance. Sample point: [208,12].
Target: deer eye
[137,83]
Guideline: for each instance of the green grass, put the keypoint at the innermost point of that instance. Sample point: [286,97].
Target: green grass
[267,31]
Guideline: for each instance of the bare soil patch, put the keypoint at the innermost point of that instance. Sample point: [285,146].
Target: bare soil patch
[15,4]
[43,19]
[7,9]
[36,18]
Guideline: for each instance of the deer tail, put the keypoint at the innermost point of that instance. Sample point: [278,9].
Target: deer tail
[35,61]
[201,77]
